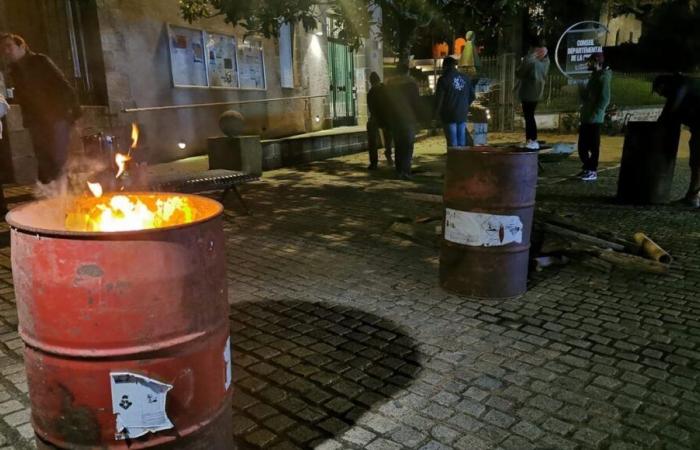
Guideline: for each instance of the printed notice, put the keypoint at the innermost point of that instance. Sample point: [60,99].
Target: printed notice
[482,230]
[227,364]
[139,404]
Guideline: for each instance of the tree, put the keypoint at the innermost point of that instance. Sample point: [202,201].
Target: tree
[402,19]
[266,16]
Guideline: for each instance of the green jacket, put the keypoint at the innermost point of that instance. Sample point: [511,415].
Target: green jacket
[531,76]
[596,97]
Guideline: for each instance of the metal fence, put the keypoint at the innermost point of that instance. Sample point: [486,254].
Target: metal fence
[628,90]
[500,99]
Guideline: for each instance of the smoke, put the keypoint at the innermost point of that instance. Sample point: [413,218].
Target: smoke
[73,180]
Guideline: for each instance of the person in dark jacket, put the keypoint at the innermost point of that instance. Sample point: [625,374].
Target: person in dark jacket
[404,110]
[49,104]
[596,98]
[531,76]
[378,120]
[683,107]
[453,94]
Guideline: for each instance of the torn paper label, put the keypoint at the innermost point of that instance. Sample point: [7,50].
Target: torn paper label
[482,230]
[139,404]
[227,364]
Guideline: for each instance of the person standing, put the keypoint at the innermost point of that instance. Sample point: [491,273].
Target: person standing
[378,121]
[469,61]
[404,110]
[531,76]
[683,107]
[49,104]
[453,94]
[595,99]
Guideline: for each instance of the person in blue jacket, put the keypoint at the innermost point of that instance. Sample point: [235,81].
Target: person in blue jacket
[453,94]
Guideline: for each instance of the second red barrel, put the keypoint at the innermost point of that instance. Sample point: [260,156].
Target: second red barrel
[489,199]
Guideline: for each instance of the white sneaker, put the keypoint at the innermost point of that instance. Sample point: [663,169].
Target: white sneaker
[592,175]
[532,145]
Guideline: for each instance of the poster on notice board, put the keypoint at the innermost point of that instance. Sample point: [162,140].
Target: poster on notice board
[187,57]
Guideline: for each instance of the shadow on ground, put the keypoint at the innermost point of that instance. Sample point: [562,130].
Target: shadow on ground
[305,372]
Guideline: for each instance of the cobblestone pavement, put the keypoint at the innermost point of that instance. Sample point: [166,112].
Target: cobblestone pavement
[343,339]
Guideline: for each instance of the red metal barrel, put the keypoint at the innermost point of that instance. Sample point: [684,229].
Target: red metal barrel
[125,332]
[489,199]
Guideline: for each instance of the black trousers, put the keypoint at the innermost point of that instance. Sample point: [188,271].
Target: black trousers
[589,145]
[51,142]
[530,124]
[373,141]
[405,137]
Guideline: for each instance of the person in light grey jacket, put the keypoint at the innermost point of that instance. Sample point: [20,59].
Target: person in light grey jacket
[531,76]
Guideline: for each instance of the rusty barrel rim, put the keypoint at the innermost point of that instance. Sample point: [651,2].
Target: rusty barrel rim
[509,150]
[15,220]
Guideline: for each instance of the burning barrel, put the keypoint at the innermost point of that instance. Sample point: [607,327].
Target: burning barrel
[126,331]
[489,199]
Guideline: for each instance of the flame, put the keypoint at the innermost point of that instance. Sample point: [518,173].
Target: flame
[121,161]
[134,136]
[95,188]
[129,213]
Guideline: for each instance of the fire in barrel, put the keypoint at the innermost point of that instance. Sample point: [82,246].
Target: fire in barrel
[122,303]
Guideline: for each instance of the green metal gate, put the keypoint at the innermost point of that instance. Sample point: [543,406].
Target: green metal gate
[342,90]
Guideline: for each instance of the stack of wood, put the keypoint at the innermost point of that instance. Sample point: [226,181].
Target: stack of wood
[558,239]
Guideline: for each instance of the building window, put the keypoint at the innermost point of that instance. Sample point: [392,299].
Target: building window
[286,58]
[617,38]
[631,36]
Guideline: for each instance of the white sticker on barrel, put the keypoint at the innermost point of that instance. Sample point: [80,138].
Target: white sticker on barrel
[482,230]
[139,404]
[227,364]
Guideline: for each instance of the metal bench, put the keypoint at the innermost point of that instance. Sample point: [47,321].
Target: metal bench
[204,181]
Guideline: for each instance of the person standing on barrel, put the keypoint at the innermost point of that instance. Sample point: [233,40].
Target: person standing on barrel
[683,107]
[404,111]
[453,95]
[376,104]
[532,74]
[596,98]
[49,104]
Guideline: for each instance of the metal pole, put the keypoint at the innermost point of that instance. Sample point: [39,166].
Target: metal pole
[502,93]
[206,105]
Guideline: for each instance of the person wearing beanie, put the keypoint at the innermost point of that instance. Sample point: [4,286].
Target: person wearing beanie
[377,105]
[682,106]
[50,105]
[531,76]
[453,95]
[595,100]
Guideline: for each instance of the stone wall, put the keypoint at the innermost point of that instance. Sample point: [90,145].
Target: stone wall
[136,54]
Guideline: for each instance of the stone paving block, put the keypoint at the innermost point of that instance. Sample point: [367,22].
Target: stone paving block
[408,437]
[358,436]
[499,419]
[444,434]
[383,444]
[473,443]
[590,437]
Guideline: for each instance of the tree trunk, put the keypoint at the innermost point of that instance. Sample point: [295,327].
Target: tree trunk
[406,35]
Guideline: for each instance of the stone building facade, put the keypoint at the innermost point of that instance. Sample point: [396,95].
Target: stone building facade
[118,53]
